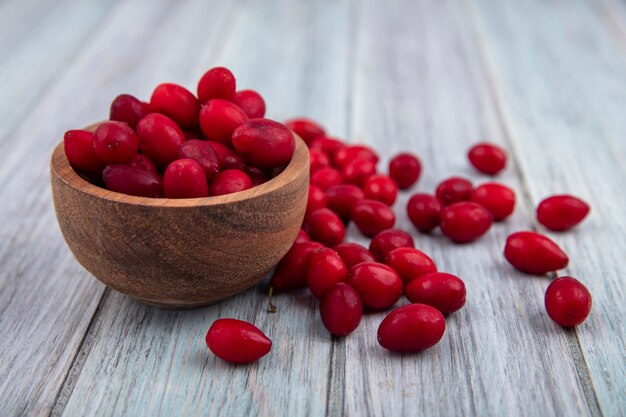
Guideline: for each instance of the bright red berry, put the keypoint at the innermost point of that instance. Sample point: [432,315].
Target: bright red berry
[302,236]
[326,178]
[497,198]
[219,119]
[487,158]
[217,82]
[378,285]
[405,169]
[229,181]
[250,102]
[316,200]
[464,222]
[445,292]
[237,341]
[372,217]
[343,156]
[357,171]
[115,142]
[562,212]
[317,160]
[264,143]
[227,157]
[381,188]
[289,273]
[307,129]
[143,162]
[132,180]
[341,309]
[388,240]
[177,103]
[568,301]
[534,253]
[454,190]
[184,178]
[78,146]
[411,328]
[342,197]
[128,109]
[324,268]
[353,254]
[324,226]
[410,263]
[424,211]
[330,146]
[159,138]
[203,153]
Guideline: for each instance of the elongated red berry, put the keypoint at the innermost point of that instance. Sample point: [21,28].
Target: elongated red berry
[454,190]
[561,212]
[330,146]
[115,142]
[357,171]
[341,309]
[227,157]
[424,211]
[78,146]
[324,268]
[324,226]
[341,198]
[353,254]
[132,180]
[229,181]
[177,103]
[128,109]
[534,253]
[159,138]
[410,263]
[568,301]
[497,198]
[251,102]
[465,221]
[445,292]
[388,240]
[264,143]
[290,271]
[203,153]
[217,82]
[326,178]
[307,129]
[237,341]
[372,217]
[381,188]
[184,178]
[219,119]
[350,153]
[411,328]
[405,170]
[487,158]
[378,285]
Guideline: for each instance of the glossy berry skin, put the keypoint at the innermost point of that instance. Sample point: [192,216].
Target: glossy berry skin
[264,143]
[128,109]
[325,178]
[487,158]
[410,263]
[78,146]
[454,190]
[561,212]
[250,102]
[229,181]
[289,273]
[329,146]
[388,240]
[324,268]
[381,188]
[343,156]
[465,222]
[568,301]
[159,138]
[316,200]
[424,211]
[227,158]
[177,103]
[143,162]
[115,142]
[219,119]
[302,236]
[237,341]
[342,197]
[411,328]
[353,254]
[534,253]
[341,309]
[132,180]
[317,160]
[358,171]
[372,217]
[307,129]
[445,292]
[405,170]
[203,153]
[497,198]
[378,285]
[217,82]
[184,178]
[324,226]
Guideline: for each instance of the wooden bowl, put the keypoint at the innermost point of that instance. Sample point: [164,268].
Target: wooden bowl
[180,253]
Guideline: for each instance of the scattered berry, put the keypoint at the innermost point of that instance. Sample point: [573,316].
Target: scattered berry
[372,217]
[568,302]
[561,212]
[388,240]
[405,169]
[424,211]
[342,197]
[454,190]
[410,263]
[464,222]
[487,158]
[445,292]
[237,341]
[381,188]
[324,226]
[498,199]
[378,285]
[324,268]
[534,253]
[341,309]
[353,254]
[411,328]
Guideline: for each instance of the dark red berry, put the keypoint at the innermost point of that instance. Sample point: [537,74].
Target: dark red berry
[229,181]
[289,273]
[324,226]
[143,162]
[132,180]
[250,102]
[264,143]
[445,292]
[342,197]
[487,158]
[219,119]
[568,302]
[345,155]
[203,153]
[358,171]
[372,217]
[237,341]
[454,190]
[324,268]
[159,138]
[497,198]
[341,309]
[115,142]
[227,157]
[257,175]
[378,285]
[424,211]
[326,178]
[410,263]
[411,328]
[464,222]
[316,200]
[353,254]
[78,146]
[307,129]
[405,169]
[184,178]
[177,103]
[534,253]
[388,240]
[217,82]
[561,212]
[128,109]
[381,188]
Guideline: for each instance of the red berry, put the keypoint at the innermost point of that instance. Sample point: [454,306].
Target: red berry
[388,240]
[445,292]
[78,146]
[561,212]
[342,197]
[250,102]
[330,146]
[217,82]
[350,153]
[410,263]
[568,301]
[317,160]
[227,158]
[132,180]
[372,217]
[353,254]
[454,190]
[159,138]
[315,201]
[177,103]
[324,268]
[128,109]
[497,198]
[405,169]
[237,341]
[533,253]
[358,171]
[219,119]
[379,286]
[326,178]
[115,142]
[257,175]
[302,237]
[143,162]
[324,226]
[185,178]
[487,158]
[229,181]
[341,309]
[307,129]
[411,328]
[381,188]
[264,143]
[464,222]
[289,273]
[424,211]
[203,153]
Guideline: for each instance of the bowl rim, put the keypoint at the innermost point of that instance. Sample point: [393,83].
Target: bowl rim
[60,166]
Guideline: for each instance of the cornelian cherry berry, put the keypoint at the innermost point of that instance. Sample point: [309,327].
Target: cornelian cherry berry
[227,158]
[184,178]
[115,142]
[217,82]
[410,263]
[203,153]
[534,253]
[289,273]
[128,109]
[264,143]
[342,197]
[302,236]
[465,221]
[307,129]
[357,171]
[341,309]
[350,153]
[405,170]
[316,200]
[229,181]
[317,160]
[388,240]
[497,198]
[561,212]
[424,211]
[159,138]
[445,292]
[326,178]
[454,190]
[132,180]
[372,217]
[177,103]
[324,226]
[250,102]
[487,158]
[257,175]
[353,254]
[143,162]
[237,341]
[568,301]
[381,188]
[378,285]
[78,146]
[411,328]
[219,119]
[330,146]
[324,268]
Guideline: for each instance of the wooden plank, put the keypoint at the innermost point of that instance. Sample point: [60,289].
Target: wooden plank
[419,87]
[143,361]
[560,77]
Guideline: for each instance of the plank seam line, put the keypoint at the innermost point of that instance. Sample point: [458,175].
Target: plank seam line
[577,356]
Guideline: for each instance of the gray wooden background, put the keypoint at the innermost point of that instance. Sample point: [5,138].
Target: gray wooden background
[546,79]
